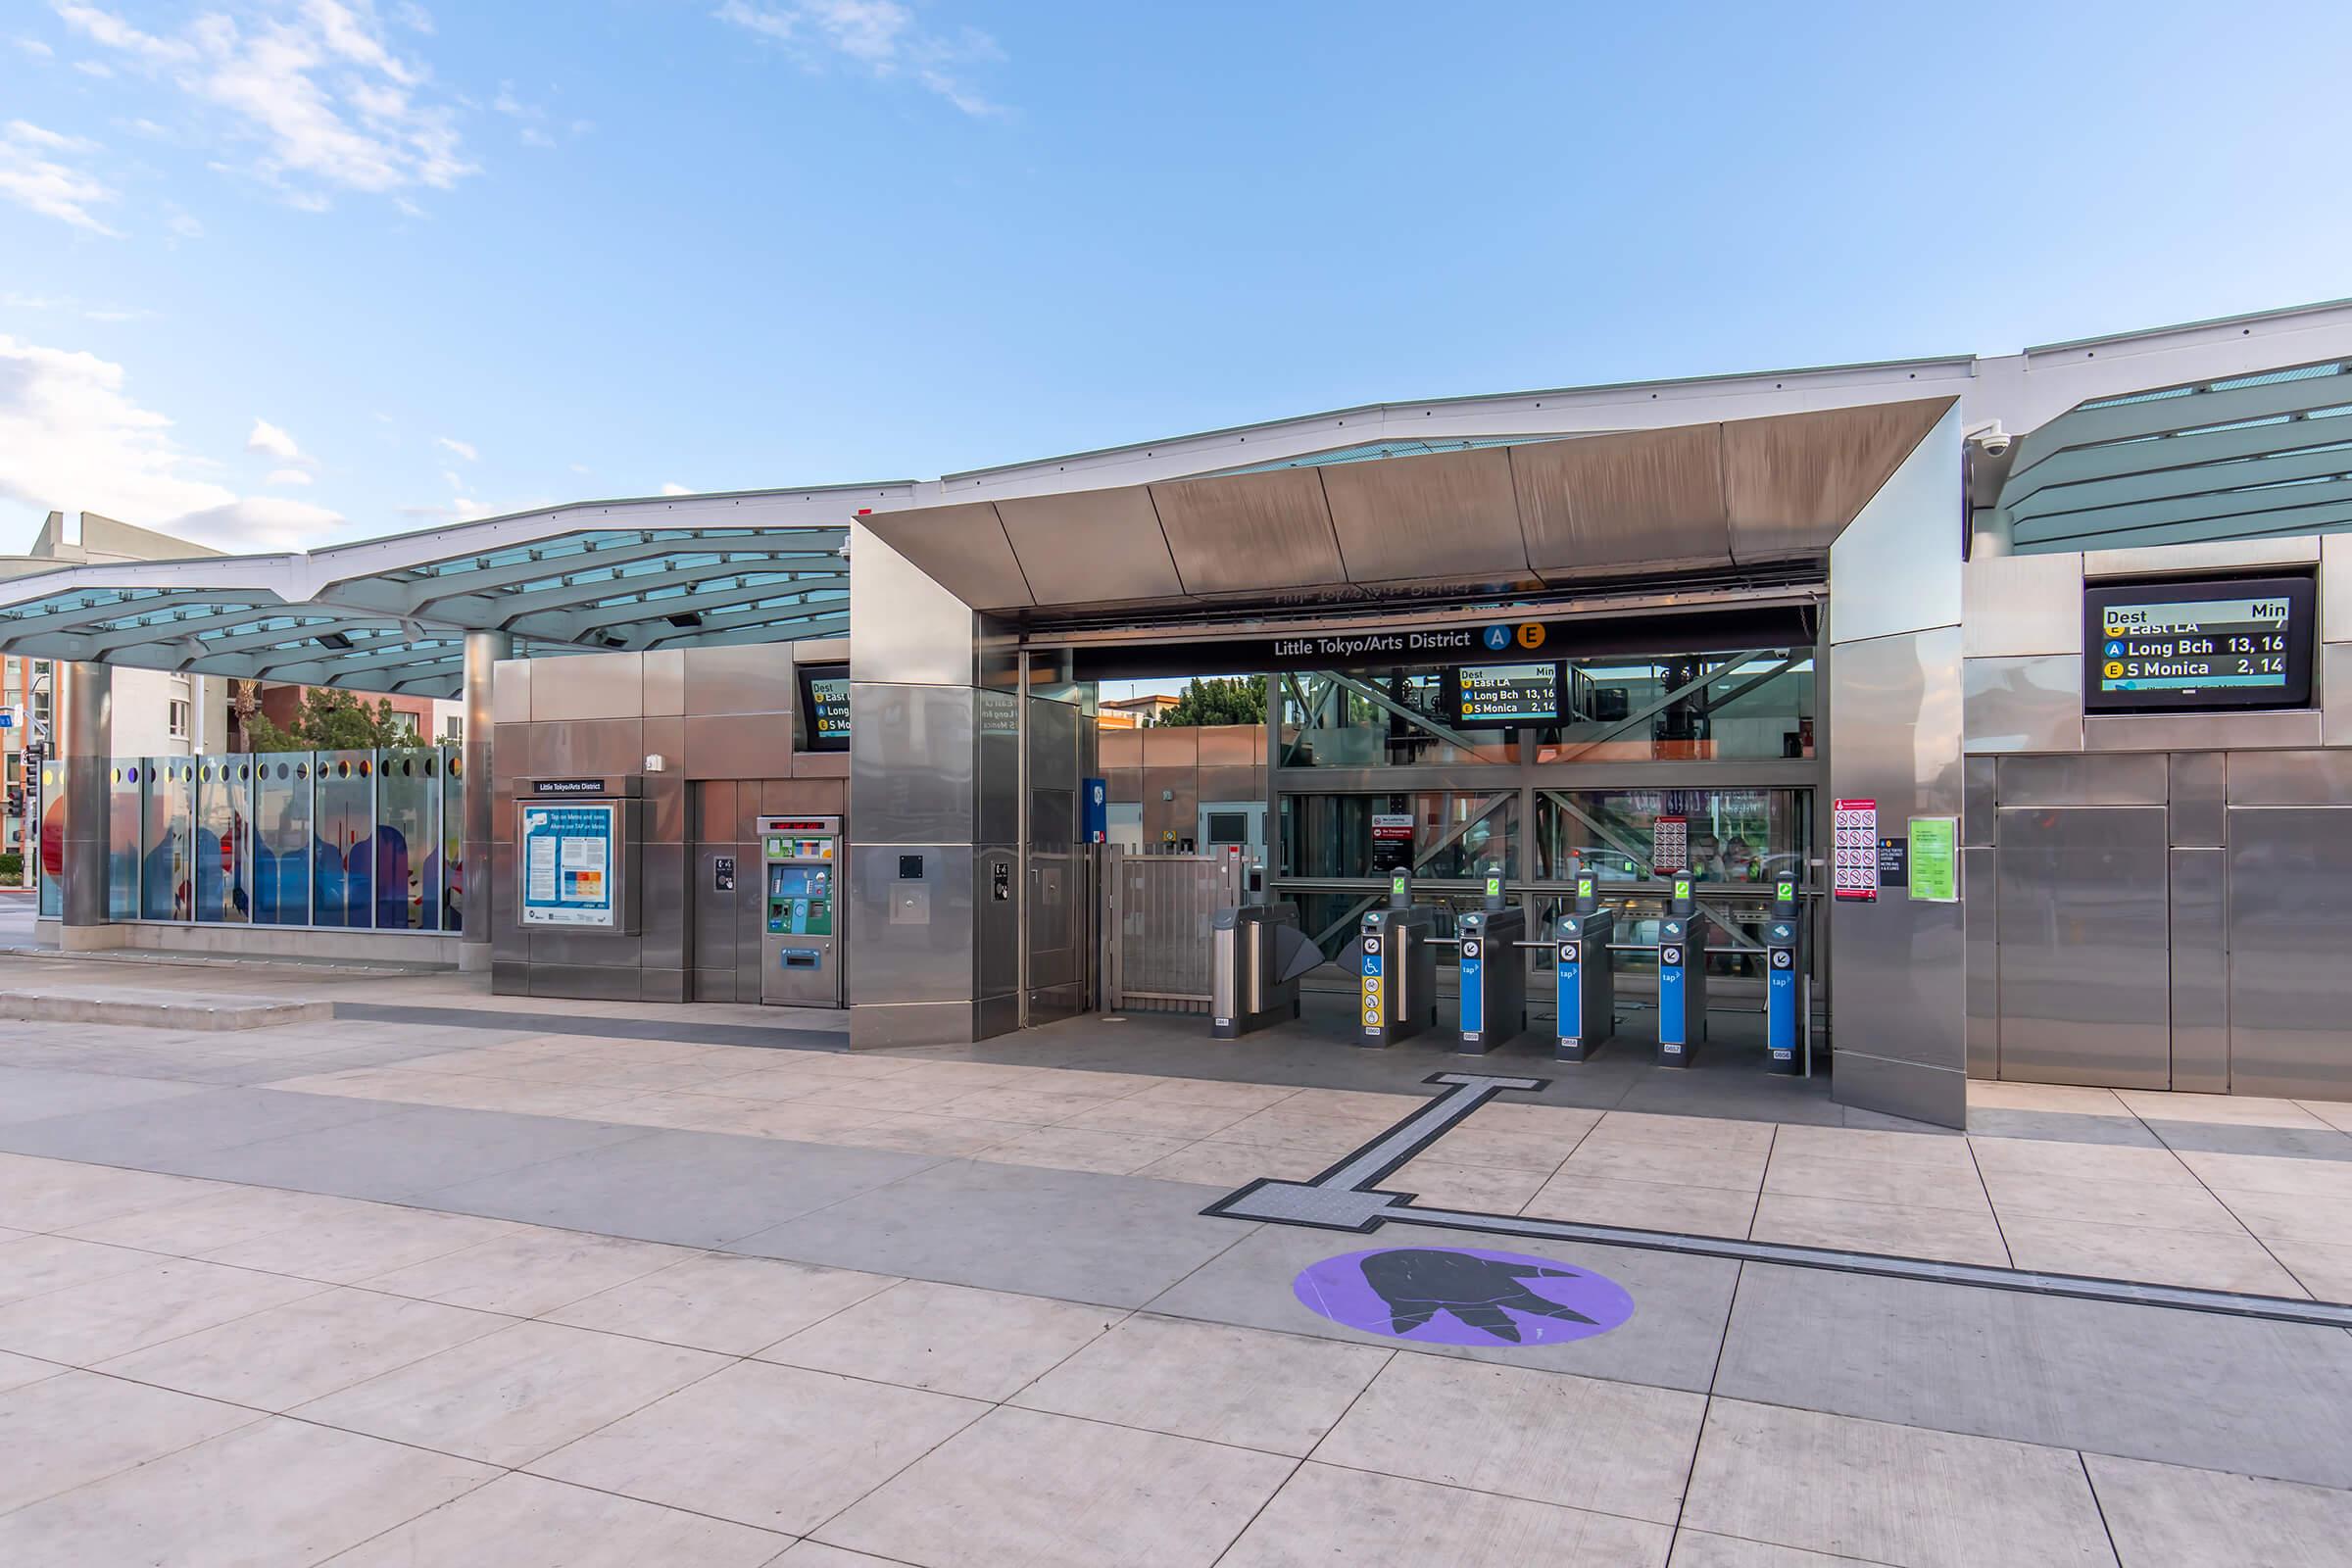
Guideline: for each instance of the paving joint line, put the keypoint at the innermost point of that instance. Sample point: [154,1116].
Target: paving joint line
[1346,1197]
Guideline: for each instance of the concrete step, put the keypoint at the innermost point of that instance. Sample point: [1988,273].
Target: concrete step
[155,1010]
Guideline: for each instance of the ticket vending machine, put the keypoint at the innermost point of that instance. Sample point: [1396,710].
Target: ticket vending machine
[1785,984]
[1493,973]
[1399,990]
[800,945]
[1585,976]
[1682,978]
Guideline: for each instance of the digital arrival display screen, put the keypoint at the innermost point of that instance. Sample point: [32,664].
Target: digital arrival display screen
[825,705]
[2195,647]
[1509,694]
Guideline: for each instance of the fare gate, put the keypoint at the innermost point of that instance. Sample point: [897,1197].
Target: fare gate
[1158,912]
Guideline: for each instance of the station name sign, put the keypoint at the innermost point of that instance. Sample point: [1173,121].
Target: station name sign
[1314,651]
[559,788]
[2200,646]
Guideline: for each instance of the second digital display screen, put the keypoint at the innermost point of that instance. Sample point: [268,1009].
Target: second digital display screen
[1509,694]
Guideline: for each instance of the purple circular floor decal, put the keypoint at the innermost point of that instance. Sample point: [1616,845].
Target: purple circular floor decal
[1458,1296]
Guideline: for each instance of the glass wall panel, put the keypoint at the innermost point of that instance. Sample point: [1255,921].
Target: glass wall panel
[1687,708]
[1380,719]
[453,839]
[408,864]
[282,848]
[1746,836]
[124,783]
[53,841]
[1436,834]
[223,825]
[167,852]
[343,884]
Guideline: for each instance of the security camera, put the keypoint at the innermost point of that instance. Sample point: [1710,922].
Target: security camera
[1990,438]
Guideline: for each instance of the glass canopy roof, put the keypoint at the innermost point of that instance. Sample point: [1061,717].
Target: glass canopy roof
[392,615]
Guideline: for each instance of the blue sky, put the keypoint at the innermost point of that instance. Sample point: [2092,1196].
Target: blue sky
[277,273]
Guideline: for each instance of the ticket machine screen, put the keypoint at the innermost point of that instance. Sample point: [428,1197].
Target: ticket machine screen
[800,899]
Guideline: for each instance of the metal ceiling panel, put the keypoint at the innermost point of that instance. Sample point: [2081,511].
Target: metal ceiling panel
[1606,505]
[1793,482]
[1449,517]
[1090,547]
[1250,534]
[962,548]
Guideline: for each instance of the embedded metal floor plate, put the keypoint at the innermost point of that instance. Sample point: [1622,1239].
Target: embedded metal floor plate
[1346,1197]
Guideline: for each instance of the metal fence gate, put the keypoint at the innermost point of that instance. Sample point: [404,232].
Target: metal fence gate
[1156,914]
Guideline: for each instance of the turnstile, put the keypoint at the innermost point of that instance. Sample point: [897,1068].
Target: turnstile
[1493,973]
[1682,978]
[1399,990]
[1257,954]
[1585,979]
[1785,1021]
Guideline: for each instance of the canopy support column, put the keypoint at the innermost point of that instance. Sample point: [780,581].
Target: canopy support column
[88,749]
[483,651]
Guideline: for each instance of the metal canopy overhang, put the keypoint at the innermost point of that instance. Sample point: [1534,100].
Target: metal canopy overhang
[1525,517]
[391,615]
[2239,458]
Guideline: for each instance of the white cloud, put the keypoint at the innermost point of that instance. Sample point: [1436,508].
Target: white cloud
[184,224]
[287,476]
[71,438]
[33,177]
[35,48]
[453,480]
[95,67]
[673,488]
[882,36]
[315,85]
[414,17]
[68,304]
[269,438]
[533,136]
[464,449]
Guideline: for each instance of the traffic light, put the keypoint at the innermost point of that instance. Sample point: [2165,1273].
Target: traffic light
[15,800]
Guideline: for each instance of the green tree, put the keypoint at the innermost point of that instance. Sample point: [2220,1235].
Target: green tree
[1220,699]
[333,720]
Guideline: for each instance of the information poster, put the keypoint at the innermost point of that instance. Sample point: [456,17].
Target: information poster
[1391,840]
[1854,864]
[1510,693]
[1670,843]
[567,865]
[1936,860]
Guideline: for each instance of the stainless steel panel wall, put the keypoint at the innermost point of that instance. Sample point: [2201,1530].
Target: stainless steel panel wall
[996,926]
[2199,793]
[1978,793]
[1232,744]
[1981,916]
[2290,778]
[1791,481]
[2023,604]
[754,678]
[589,747]
[2085,781]
[911,754]
[2217,554]
[1122,749]
[664,682]
[588,686]
[2200,972]
[904,628]
[2335,588]
[2084,946]
[910,922]
[2184,732]
[1090,547]
[1899,969]
[2336,677]
[2028,704]
[2290,990]
[1407,518]
[661,870]
[511,692]
[1896,566]
[997,784]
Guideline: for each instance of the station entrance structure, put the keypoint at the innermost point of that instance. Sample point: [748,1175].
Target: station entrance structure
[1842,623]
